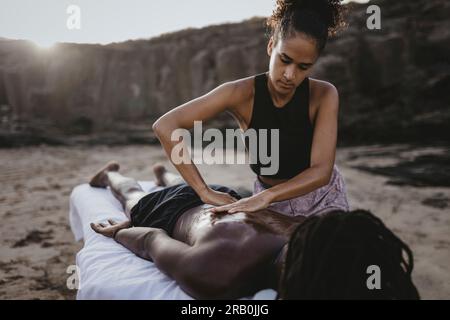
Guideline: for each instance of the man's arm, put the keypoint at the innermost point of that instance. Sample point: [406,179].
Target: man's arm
[155,245]
[148,243]
[198,269]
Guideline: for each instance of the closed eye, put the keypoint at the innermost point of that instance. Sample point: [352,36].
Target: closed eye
[284,61]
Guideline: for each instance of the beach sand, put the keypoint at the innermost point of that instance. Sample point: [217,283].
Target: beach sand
[37,245]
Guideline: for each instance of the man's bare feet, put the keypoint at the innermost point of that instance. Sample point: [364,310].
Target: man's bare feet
[100,178]
[159,170]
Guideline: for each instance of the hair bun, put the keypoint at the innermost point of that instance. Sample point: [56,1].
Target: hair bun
[330,12]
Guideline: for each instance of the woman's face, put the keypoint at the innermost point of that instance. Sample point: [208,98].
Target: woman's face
[291,61]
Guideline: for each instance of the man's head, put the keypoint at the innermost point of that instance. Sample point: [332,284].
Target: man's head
[330,257]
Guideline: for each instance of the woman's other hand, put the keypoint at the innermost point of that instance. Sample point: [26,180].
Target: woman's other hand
[254,203]
[216,198]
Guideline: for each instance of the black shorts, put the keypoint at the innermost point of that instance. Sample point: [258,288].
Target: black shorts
[161,209]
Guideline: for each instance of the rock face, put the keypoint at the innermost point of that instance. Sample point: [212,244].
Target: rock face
[393,82]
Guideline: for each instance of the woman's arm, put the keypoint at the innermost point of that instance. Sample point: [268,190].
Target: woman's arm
[322,161]
[222,98]
[323,152]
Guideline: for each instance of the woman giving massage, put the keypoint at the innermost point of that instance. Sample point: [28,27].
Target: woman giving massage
[303,109]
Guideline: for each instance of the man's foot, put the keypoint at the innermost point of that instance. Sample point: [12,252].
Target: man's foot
[159,170]
[100,180]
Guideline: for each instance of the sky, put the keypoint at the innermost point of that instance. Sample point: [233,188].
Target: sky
[104,21]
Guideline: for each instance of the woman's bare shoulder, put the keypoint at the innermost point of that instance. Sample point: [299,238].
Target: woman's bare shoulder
[321,87]
[321,90]
[244,87]
[244,93]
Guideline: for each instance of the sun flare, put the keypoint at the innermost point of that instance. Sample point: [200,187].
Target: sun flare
[44,43]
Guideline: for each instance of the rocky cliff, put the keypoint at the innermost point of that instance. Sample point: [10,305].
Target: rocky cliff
[393,82]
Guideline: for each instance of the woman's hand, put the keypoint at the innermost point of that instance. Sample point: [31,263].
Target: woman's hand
[216,198]
[111,229]
[254,203]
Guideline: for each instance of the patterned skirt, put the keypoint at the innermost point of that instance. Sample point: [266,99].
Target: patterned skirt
[327,198]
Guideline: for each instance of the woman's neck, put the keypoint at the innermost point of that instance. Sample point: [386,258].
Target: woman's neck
[278,99]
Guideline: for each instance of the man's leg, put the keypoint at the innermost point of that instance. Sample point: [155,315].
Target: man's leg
[125,189]
[165,178]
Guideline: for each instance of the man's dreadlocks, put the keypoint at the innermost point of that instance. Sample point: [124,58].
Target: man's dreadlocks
[328,257]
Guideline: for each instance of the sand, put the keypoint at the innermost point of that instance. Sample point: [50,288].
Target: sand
[37,245]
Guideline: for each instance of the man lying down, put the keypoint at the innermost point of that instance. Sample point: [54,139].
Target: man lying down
[229,256]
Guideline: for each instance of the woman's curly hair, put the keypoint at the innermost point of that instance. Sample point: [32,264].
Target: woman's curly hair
[318,19]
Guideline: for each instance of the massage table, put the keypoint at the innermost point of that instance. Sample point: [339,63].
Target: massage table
[106,269]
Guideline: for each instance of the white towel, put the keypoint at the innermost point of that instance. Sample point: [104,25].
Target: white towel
[107,270]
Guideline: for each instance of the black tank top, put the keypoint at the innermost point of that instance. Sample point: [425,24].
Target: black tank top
[293,122]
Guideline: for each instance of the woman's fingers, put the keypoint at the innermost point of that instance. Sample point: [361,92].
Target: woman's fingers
[239,206]
[112,222]
[230,208]
[239,209]
[221,208]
